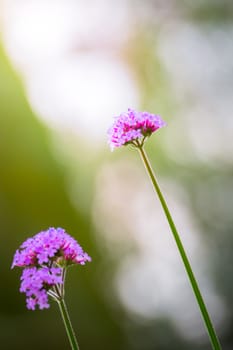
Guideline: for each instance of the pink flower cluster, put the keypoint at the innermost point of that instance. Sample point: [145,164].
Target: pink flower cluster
[35,282]
[131,126]
[51,245]
[43,258]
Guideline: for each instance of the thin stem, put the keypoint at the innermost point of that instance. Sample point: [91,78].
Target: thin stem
[206,317]
[68,325]
[62,287]
[67,322]
[53,295]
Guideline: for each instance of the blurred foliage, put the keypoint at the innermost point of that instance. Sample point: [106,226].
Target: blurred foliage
[210,11]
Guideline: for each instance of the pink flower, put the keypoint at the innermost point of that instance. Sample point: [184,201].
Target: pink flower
[52,245]
[133,126]
[35,282]
[44,258]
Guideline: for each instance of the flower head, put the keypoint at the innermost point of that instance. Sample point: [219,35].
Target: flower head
[44,258]
[132,126]
[53,245]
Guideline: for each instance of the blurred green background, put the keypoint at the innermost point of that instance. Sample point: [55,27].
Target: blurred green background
[178,57]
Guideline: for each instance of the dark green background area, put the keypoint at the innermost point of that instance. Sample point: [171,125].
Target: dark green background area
[33,197]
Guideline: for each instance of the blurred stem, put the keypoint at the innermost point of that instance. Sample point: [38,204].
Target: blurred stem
[68,325]
[66,320]
[206,317]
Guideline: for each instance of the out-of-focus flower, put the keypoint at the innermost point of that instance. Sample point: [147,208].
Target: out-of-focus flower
[44,258]
[133,126]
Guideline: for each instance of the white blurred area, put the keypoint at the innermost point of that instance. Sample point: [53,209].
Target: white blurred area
[201,71]
[70,55]
[71,65]
[151,280]
[72,58]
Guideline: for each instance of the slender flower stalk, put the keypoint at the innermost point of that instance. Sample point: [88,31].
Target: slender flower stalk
[134,128]
[68,325]
[206,317]
[58,295]
[45,258]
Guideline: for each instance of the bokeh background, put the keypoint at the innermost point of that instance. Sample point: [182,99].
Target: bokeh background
[66,68]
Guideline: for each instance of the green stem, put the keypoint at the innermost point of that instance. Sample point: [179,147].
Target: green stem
[210,329]
[68,325]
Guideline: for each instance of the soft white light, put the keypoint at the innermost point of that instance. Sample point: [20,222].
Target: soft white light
[83,93]
[151,281]
[68,55]
[35,31]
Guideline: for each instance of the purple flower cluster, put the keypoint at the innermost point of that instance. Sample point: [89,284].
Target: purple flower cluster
[131,126]
[43,258]
[53,245]
[35,282]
